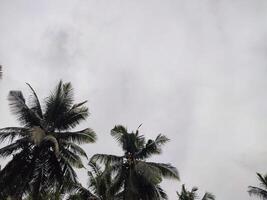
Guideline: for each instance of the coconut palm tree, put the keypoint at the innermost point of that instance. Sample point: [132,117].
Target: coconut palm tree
[139,178]
[260,192]
[44,148]
[192,195]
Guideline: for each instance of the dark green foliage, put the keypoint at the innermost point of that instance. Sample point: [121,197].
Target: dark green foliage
[45,152]
[44,149]
[100,185]
[137,178]
[192,195]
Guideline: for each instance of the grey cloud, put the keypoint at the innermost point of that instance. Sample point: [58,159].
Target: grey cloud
[193,70]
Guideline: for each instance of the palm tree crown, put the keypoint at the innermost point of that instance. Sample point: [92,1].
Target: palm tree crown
[44,149]
[137,178]
[192,195]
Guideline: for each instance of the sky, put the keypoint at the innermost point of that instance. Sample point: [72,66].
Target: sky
[192,70]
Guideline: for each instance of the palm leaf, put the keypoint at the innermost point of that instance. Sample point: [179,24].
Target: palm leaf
[75,148]
[150,173]
[107,159]
[58,103]
[12,132]
[35,103]
[95,168]
[117,132]
[80,137]
[74,116]
[152,147]
[263,180]
[71,158]
[208,196]
[67,170]
[18,106]
[161,139]
[163,195]
[14,147]
[167,170]
[118,181]
[255,191]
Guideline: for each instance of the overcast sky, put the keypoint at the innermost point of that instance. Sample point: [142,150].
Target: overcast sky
[194,70]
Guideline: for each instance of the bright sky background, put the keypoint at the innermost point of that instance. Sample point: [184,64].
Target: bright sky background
[194,70]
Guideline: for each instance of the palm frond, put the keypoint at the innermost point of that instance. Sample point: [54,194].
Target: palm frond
[81,193]
[92,182]
[132,143]
[72,117]
[260,192]
[162,194]
[39,180]
[71,158]
[118,182]
[15,176]
[161,139]
[80,137]
[117,132]
[167,170]
[14,147]
[12,132]
[95,168]
[24,114]
[208,196]
[187,195]
[75,148]
[35,103]
[263,180]
[107,159]
[67,170]
[255,191]
[58,103]
[152,147]
[150,173]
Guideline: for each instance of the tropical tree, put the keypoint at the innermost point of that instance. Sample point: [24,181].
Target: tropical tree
[44,148]
[192,195]
[138,178]
[260,192]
